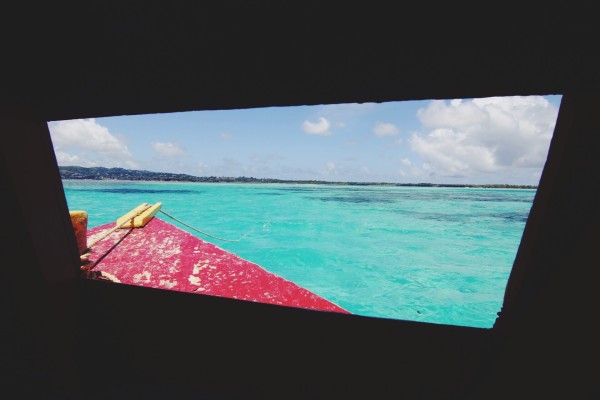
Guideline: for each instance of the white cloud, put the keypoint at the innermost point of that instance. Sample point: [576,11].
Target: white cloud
[86,134]
[84,142]
[500,135]
[80,160]
[167,149]
[345,116]
[382,129]
[317,128]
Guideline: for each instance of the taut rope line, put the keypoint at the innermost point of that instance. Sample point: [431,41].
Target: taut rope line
[204,233]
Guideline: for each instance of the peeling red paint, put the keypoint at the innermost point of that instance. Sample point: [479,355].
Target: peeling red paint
[161,255]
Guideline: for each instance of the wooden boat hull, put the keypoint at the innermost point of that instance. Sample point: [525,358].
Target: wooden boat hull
[161,255]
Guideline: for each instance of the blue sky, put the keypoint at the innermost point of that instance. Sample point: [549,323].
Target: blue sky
[468,141]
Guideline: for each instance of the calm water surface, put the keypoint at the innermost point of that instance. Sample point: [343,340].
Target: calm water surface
[439,255]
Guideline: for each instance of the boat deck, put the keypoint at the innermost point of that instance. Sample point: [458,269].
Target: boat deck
[161,255]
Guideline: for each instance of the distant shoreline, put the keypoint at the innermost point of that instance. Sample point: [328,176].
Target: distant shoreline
[121,174]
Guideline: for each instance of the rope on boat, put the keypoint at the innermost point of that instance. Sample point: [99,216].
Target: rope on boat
[204,233]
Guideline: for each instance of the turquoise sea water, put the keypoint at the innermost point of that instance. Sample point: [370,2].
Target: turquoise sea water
[438,255]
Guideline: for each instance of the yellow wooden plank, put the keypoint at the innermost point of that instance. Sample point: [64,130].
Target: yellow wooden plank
[142,219]
[130,216]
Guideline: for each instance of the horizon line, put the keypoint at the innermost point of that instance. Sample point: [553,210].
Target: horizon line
[241,179]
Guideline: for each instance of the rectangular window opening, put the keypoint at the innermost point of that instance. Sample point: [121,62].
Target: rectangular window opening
[409,210]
